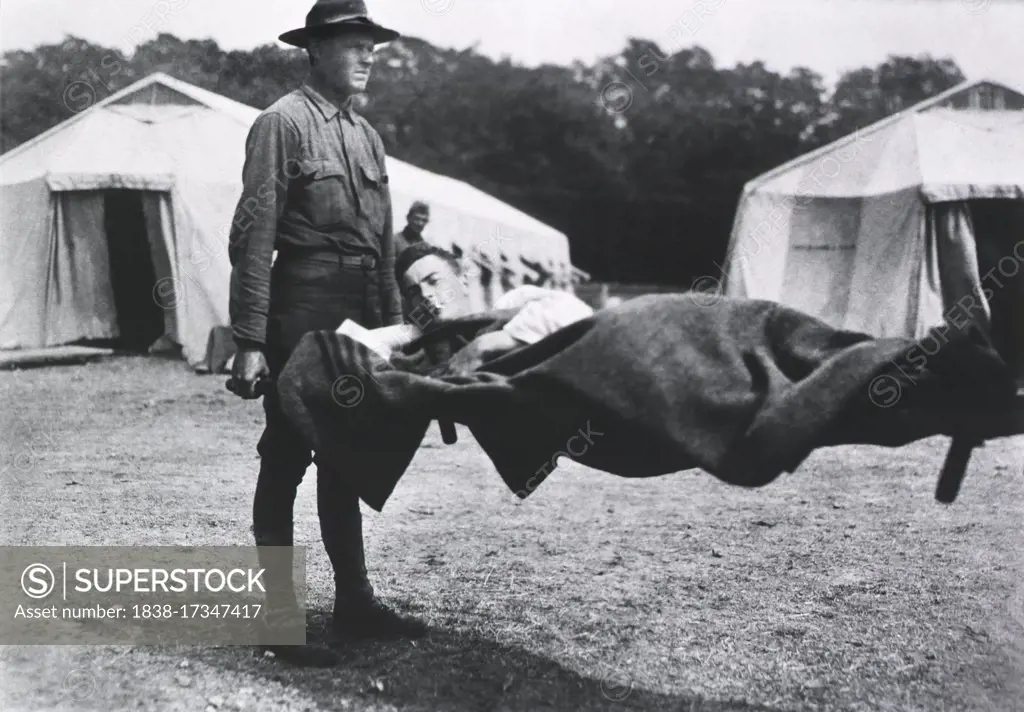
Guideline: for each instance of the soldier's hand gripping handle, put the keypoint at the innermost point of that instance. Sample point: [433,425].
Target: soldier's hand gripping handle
[249,369]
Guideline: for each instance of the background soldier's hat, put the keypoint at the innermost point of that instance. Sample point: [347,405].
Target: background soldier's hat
[334,15]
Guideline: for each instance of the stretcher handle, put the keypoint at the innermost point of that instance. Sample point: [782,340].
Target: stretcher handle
[955,468]
[448,434]
[261,388]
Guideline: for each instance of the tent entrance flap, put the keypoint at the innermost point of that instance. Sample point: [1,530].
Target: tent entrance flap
[999,234]
[139,270]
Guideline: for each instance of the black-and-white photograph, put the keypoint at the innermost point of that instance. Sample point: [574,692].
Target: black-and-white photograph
[480,355]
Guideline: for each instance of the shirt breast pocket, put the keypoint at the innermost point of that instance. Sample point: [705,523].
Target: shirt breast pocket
[373,196]
[327,196]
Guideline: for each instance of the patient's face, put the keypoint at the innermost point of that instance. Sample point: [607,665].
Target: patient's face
[431,287]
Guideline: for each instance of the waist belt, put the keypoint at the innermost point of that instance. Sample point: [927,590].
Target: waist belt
[296,241]
[367,262]
[364,262]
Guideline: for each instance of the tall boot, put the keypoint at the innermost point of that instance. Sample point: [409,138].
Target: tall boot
[357,612]
[282,607]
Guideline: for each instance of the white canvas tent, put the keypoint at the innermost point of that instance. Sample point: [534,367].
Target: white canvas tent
[898,227]
[117,221]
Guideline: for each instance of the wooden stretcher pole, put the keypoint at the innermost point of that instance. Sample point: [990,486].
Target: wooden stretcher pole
[955,468]
[448,434]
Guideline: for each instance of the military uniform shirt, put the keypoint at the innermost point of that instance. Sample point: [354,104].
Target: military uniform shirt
[315,177]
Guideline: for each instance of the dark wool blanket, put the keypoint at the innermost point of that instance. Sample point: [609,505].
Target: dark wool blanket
[743,389]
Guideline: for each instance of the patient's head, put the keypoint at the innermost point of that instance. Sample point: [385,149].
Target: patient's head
[429,280]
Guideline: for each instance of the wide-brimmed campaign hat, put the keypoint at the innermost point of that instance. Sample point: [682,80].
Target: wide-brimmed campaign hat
[327,15]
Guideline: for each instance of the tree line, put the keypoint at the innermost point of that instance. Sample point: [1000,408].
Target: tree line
[639,157]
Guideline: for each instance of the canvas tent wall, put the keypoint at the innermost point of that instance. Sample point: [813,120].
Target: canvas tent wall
[494,239]
[876,232]
[171,154]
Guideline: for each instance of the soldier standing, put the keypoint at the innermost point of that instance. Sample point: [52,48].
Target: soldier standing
[316,190]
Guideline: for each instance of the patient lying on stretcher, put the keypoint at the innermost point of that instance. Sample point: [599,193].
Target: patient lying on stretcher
[430,286]
[743,389]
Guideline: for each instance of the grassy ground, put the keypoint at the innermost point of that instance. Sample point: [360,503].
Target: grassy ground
[841,587]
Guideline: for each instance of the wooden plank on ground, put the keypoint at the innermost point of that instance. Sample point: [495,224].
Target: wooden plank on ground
[54,356]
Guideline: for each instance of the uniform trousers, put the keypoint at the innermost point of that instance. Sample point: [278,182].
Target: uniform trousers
[312,292]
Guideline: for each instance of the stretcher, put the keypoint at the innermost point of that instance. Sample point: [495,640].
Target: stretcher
[969,431]
[744,390]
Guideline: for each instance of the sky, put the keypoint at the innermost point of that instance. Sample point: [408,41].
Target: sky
[985,37]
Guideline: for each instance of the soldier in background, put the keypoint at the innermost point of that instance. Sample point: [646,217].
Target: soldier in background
[416,221]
